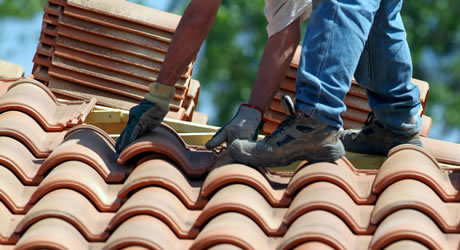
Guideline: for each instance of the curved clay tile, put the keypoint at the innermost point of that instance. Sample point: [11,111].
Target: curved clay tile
[412,162]
[13,193]
[416,195]
[89,183]
[325,227]
[8,223]
[35,99]
[329,197]
[356,184]
[248,201]
[444,152]
[16,157]
[145,231]
[314,245]
[52,234]
[235,229]
[24,128]
[408,224]
[162,204]
[72,207]
[163,140]
[157,172]
[406,244]
[225,246]
[92,146]
[237,173]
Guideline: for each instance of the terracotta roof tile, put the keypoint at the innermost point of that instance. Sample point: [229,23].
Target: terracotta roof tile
[33,98]
[357,185]
[114,52]
[67,189]
[162,173]
[131,12]
[419,165]
[323,226]
[444,152]
[406,244]
[25,129]
[90,183]
[10,70]
[117,23]
[13,193]
[313,245]
[52,234]
[229,228]
[15,156]
[69,206]
[329,197]
[165,141]
[89,145]
[323,205]
[145,231]
[412,194]
[408,224]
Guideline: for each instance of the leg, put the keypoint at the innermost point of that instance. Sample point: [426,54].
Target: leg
[336,35]
[274,64]
[335,39]
[278,53]
[385,70]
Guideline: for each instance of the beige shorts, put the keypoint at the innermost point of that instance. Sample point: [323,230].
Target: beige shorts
[281,13]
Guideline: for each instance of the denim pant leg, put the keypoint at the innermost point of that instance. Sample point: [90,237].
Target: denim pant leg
[385,69]
[336,34]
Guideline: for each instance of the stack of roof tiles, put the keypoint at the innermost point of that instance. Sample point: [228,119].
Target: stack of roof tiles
[61,187]
[110,50]
[356,100]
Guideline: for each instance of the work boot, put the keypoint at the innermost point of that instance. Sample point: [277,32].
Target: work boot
[245,125]
[375,139]
[299,137]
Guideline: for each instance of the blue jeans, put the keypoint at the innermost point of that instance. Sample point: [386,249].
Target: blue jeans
[366,38]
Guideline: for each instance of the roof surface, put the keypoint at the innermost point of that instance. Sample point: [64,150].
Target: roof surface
[62,187]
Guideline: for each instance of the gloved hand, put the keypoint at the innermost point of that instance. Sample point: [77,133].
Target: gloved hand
[245,125]
[147,115]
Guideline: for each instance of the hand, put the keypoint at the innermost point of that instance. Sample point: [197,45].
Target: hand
[142,118]
[245,125]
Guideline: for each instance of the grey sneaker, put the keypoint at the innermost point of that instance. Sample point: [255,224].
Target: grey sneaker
[375,139]
[297,138]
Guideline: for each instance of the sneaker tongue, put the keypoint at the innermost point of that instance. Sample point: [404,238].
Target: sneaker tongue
[288,105]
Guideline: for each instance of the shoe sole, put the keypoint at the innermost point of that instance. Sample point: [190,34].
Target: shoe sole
[328,153]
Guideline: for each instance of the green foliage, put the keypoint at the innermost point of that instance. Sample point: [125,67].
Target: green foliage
[434,37]
[20,8]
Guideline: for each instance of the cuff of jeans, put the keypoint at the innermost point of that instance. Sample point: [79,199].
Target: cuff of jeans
[160,94]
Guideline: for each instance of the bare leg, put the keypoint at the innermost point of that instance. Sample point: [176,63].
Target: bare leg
[194,27]
[278,53]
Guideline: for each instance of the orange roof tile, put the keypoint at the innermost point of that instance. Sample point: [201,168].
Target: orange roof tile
[61,185]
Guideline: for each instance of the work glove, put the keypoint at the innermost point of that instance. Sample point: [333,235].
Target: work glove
[245,125]
[147,115]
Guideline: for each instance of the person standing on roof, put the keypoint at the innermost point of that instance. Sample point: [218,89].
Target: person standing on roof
[345,37]
[284,18]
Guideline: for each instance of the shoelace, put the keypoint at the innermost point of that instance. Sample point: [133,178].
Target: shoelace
[370,118]
[288,121]
[289,109]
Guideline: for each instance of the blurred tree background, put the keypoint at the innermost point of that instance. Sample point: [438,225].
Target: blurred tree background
[230,58]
